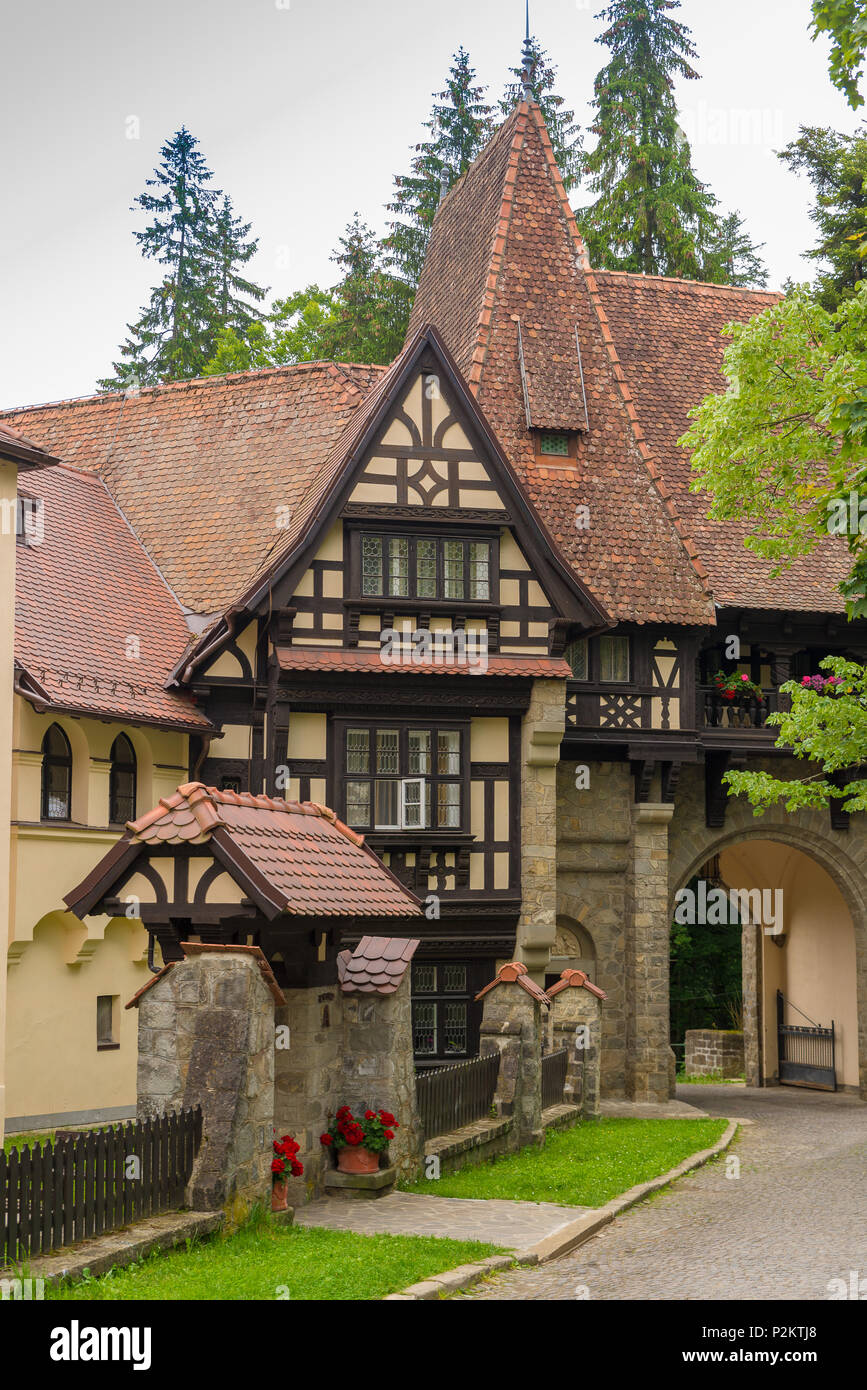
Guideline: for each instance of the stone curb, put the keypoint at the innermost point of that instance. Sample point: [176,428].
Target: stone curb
[574,1233]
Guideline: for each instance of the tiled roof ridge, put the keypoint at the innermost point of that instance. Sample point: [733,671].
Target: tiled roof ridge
[498,242]
[653,469]
[112,397]
[204,801]
[681,282]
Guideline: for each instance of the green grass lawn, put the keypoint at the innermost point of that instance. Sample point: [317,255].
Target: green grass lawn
[583,1166]
[271,1261]
[18,1141]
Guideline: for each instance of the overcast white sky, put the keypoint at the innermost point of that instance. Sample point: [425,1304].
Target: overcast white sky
[304,111]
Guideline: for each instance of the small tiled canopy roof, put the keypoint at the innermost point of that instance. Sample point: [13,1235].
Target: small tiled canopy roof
[290,857]
[376,966]
[575,979]
[515,973]
[371,663]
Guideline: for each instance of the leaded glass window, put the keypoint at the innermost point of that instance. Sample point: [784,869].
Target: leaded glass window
[424,1029]
[480,570]
[424,979]
[454,978]
[614,659]
[551,442]
[403,778]
[454,1025]
[56,775]
[577,656]
[426,567]
[453,559]
[371,565]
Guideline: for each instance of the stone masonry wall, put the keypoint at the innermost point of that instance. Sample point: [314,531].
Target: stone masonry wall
[711,1051]
[542,732]
[379,1068]
[512,1025]
[594,836]
[206,1037]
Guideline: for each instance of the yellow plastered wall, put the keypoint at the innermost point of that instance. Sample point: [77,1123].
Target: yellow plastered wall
[54,1067]
[8,488]
[46,941]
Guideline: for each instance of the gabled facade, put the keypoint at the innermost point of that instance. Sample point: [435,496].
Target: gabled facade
[470,603]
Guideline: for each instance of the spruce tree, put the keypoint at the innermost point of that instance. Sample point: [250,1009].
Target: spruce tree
[460,125]
[731,258]
[231,251]
[372,305]
[564,133]
[836,165]
[201,244]
[652,213]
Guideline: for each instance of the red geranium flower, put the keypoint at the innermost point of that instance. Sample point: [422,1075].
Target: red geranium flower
[387,1118]
[389,1134]
[277,1165]
[325,1139]
[297,1168]
[369,1115]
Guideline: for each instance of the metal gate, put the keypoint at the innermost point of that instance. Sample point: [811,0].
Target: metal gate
[806,1055]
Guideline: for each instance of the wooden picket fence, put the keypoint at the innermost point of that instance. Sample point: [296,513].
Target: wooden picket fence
[84,1184]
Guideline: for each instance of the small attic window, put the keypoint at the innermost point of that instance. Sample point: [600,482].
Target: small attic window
[550,443]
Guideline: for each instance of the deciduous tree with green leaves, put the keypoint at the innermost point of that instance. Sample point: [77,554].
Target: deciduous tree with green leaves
[460,124]
[785,449]
[846,23]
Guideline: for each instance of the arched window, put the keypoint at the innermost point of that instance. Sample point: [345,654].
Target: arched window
[121,782]
[56,774]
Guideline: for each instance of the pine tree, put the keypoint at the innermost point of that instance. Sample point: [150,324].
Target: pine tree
[460,125]
[372,305]
[652,213]
[731,258]
[232,250]
[564,133]
[201,243]
[836,165]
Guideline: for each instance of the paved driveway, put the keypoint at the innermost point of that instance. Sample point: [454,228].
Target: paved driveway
[794,1219]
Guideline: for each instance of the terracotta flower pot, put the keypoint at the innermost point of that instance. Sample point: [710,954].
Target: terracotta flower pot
[355,1159]
[279,1196]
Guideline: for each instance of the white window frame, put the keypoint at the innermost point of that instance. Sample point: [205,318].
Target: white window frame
[412,782]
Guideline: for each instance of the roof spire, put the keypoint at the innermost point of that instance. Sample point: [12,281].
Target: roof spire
[527,59]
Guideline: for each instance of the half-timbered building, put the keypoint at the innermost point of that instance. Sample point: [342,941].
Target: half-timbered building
[470,603]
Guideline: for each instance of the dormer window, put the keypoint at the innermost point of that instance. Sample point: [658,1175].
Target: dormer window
[556,444]
[426,567]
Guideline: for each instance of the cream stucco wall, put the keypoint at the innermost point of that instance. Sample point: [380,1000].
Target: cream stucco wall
[58,965]
[8,489]
[816,966]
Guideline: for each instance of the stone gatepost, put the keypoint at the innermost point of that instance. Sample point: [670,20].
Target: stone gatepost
[206,1037]
[576,1018]
[379,1068]
[541,735]
[647,1058]
[512,1024]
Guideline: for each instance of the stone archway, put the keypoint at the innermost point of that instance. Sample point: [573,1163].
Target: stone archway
[839,855]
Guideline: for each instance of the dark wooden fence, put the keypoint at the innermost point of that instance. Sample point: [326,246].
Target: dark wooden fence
[84,1184]
[452,1096]
[554,1077]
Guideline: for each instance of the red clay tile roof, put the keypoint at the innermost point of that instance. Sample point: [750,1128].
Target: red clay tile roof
[200,468]
[515,973]
[505,249]
[669,343]
[575,979]
[80,596]
[376,966]
[370,662]
[17,446]
[305,859]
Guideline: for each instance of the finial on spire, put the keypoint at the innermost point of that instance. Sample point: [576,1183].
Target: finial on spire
[527,59]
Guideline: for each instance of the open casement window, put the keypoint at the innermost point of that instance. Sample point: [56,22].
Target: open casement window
[445,1018]
[56,775]
[425,567]
[403,778]
[122,782]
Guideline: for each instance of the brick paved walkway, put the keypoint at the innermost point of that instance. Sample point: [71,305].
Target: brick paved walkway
[514,1225]
[794,1219]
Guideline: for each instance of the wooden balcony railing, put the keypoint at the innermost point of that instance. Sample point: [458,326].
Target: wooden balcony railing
[713,712]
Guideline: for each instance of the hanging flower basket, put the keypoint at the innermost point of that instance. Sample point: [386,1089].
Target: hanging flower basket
[358,1143]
